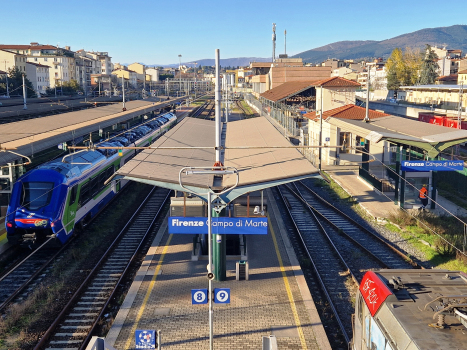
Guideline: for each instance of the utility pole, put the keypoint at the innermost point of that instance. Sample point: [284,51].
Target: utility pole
[273,42]
[320,129]
[367,108]
[196,63]
[180,73]
[218,100]
[6,75]
[24,94]
[123,92]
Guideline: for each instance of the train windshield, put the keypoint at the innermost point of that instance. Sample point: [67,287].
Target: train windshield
[36,194]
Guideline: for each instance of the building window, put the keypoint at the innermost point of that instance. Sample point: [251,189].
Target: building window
[45,59]
[35,59]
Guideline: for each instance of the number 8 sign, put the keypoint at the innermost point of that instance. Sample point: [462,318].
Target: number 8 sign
[199,296]
[222,295]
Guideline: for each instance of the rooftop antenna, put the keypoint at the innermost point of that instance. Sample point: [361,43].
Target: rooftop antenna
[285,42]
[273,42]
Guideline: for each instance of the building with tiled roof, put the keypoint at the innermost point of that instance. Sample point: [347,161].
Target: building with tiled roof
[447,79]
[336,92]
[39,76]
[350,111]
[336,136]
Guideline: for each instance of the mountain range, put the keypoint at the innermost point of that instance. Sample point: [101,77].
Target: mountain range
[453,37]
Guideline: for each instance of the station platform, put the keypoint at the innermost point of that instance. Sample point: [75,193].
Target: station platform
[380,205]
[274,301]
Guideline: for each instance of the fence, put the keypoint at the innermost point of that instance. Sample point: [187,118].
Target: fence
[280,112]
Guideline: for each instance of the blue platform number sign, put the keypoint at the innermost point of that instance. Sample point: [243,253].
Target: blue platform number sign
[222,295]
[145,339]
[199,296]
[327,139]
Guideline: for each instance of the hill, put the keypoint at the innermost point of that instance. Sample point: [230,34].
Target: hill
[225,62]
[453,37]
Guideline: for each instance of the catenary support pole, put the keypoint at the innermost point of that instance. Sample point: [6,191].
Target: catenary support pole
[24,94]
[320,129]
[123,92]
[218,101]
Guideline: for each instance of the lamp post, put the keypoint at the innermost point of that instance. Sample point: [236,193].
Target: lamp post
[194,73]
[211,196]
[180,73]
[6,75]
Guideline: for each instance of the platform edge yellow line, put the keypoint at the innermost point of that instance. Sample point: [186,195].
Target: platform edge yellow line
[148,293]
[289,291]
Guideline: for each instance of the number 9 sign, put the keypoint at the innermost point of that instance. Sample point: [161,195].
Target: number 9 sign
[222,295]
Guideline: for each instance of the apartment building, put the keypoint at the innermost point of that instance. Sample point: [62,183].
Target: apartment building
[38,75]
[130,76]
[139,69]
[153,74]
[10,60]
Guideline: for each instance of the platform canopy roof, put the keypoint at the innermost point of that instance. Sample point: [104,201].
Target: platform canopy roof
[258,168]
[432,138]
[31,136]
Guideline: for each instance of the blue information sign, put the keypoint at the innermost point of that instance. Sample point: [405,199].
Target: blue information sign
[436,165]
[222,225]
[199,296]
[222,295]
[145,339]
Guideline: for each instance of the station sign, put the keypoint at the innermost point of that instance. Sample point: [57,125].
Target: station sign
[145,339]
[220,225]
[435,165]
[373,291]
[199,296]
[222,295]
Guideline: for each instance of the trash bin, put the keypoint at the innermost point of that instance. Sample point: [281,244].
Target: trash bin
[241,270]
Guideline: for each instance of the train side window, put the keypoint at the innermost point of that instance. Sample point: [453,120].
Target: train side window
[84,194]
[73,193]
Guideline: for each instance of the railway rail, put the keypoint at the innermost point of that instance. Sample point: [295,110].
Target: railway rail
[73,328]
[335,246]
[205,111]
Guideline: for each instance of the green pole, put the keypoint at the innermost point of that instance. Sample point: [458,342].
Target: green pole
[219,254]
[403,157]
[398,168]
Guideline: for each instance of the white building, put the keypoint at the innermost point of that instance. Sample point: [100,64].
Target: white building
[154,73]
[38,75]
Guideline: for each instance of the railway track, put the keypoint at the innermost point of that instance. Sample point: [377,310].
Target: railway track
[335,246]
[72,329]
[26,274]
[205,111]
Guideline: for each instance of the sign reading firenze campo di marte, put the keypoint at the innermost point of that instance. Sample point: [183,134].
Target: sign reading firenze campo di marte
[221,225]
[436,165]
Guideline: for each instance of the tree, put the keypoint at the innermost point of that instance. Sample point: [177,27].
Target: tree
[429,67]
[15,83]
[70,87]
[403,68]
[396,69]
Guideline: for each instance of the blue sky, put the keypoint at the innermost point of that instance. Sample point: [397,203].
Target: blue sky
[156,32]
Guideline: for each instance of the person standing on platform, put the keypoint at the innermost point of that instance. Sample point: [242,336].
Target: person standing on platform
[423,195]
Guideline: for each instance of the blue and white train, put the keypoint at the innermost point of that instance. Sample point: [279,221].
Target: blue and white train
[57,197]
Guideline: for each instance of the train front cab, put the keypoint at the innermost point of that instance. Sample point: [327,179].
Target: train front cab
[372,319]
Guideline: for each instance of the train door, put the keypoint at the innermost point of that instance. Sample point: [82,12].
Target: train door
[71,207]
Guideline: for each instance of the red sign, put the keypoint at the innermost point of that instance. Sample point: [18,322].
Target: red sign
[374,291]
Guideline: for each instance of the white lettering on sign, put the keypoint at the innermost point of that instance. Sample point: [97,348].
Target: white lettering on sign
[176,222]
[413,164]
[372,297]
[251,223]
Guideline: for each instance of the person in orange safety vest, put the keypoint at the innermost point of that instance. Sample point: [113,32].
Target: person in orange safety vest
[423,195]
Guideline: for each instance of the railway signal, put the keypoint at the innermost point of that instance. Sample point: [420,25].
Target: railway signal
[120,152]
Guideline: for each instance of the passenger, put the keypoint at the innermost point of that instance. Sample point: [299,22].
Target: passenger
[423,195]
